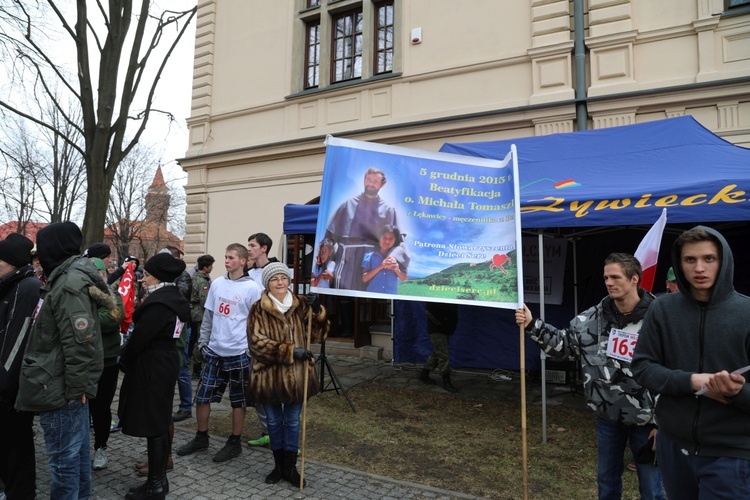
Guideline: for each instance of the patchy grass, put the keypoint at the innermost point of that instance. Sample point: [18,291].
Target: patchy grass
[461,445]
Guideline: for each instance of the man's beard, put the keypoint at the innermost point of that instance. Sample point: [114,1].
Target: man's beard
[371,191]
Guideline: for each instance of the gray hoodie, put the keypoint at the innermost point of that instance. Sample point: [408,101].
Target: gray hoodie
[682,336]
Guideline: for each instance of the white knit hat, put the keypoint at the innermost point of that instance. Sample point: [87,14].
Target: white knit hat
[272,269]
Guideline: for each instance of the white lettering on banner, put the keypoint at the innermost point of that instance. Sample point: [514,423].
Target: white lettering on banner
[621,344]
[178,326]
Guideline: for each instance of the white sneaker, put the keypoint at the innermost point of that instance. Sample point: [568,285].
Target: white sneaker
[100,459]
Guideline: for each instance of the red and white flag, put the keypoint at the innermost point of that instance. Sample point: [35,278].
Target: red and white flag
[648,251]
[127,292]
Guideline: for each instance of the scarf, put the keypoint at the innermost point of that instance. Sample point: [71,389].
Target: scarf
[283,307]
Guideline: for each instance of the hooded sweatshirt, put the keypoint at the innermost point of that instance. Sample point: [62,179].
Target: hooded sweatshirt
[682,336]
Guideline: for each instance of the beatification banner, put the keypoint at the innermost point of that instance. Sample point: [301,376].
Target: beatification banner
[403,223]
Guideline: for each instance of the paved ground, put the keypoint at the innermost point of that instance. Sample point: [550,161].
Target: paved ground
[197,477]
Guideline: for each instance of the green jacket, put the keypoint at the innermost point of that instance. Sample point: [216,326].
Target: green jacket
[63,358]
[201,284]
[110,316]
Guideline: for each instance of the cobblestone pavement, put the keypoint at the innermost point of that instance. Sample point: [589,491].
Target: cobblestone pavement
[197,477]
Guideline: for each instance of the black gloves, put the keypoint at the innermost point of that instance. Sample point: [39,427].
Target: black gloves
[313,300]
[303,354]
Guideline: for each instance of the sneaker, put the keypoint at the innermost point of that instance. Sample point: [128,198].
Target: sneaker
[114,426]
[198,443]
[231,450]
[100,459]
[264,440]
[181,415]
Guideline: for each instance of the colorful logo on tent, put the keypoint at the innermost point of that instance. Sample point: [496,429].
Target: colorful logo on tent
[567,183]
[528,189]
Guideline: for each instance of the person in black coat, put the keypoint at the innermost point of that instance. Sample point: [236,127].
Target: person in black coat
[151,362]
[19,295]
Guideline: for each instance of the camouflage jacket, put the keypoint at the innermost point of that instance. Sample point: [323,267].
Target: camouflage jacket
[609,386]
[201,284]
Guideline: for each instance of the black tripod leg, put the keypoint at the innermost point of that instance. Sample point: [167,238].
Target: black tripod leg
[335,382]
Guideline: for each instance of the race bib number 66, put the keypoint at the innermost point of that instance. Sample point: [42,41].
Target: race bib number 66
[621,344]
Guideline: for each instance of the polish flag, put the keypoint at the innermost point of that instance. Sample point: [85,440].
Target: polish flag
[127,292]
[648,251]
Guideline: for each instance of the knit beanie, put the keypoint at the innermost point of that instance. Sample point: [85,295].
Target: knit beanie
[15,249]
[56,243]
[164,267]
[272,269]
[100,250]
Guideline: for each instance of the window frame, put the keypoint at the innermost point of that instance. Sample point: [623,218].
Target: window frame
[315,66]
[387,49]
[367,68]
[355,39]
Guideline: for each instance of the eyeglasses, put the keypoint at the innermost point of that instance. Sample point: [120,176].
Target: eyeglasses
[278,279]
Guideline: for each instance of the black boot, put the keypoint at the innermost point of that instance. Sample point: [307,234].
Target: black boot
[424,376]
[156,486]
[277,472]
[290,468]
[447,385]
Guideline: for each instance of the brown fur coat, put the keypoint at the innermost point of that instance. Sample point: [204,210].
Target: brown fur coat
[276,377]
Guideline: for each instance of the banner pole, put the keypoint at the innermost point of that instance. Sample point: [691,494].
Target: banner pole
[522,339]
[304,404]
[524,451]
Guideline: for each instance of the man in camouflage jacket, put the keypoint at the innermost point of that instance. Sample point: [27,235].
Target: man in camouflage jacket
[624,409]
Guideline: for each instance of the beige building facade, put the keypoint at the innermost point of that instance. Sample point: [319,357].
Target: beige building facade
[273,78]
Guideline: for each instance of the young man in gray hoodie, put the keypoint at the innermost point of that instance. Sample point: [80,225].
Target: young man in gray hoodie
[690,345]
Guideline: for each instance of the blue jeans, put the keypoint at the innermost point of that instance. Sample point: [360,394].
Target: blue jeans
[283,426]
[183,379]
[611,440]
[695,476]
[66,436]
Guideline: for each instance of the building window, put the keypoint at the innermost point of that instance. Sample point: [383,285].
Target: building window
[730,4]
[345,41]
[312,55]
[384,37]
[347,46]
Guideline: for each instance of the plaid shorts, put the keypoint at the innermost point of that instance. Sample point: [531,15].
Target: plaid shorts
[217,372]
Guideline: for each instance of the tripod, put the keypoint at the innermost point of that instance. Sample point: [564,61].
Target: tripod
[334,382]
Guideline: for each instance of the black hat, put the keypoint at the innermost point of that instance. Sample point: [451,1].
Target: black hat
[15,249]
[164,267]
[131,258]
[56,243]
[100,250]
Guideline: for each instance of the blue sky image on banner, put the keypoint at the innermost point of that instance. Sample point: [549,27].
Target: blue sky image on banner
[417,225]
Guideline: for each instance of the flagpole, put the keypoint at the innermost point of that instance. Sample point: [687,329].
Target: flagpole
[522,330]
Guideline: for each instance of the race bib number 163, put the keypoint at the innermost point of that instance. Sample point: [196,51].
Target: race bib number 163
[621,344]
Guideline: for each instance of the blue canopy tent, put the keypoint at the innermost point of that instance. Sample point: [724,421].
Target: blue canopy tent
[572,182]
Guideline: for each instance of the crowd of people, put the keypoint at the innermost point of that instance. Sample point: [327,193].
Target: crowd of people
[65,338]
[675,394]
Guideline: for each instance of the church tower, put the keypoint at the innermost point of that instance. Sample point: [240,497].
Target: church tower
[157,201]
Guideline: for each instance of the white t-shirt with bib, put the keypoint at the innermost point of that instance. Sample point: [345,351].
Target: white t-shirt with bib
[230,302]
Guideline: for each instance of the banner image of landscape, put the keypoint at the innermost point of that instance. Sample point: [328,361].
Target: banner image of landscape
[403,223]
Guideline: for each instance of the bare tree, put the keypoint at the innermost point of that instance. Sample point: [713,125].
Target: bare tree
[121,51]
[21,161]
[139,212]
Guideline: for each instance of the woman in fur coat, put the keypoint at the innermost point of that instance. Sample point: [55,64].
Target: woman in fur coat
[277,336]
[151,363]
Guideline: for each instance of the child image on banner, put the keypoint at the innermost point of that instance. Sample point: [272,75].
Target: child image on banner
[322,271]
[380,270]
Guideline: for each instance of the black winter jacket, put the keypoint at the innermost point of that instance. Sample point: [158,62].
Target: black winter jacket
[151,363]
